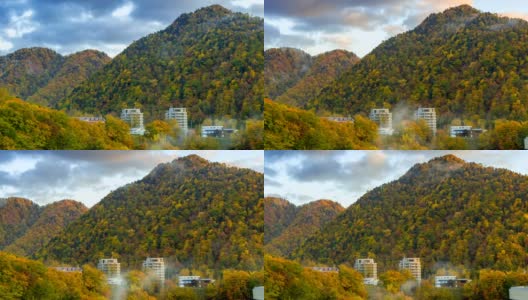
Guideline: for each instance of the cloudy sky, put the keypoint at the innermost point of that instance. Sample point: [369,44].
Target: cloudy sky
[68,26]
[344,176]
[359,26]
[88,176]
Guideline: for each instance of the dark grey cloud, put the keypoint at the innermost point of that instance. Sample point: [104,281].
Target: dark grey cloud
[269,172]
[269,182]
[316,7]
[107,25]
[298,198]
[6,156]
[346,17]
[334,16]
[352,175]
[274,38]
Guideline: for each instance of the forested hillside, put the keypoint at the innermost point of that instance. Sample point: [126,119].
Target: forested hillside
[278,215]
[283,68]
[443,211]
[21,278]
[42,76]
[17,215]
[75,69]
[285,279]
[30,127]
[297,78]
[306,220]
[201,215]
[465,63]
[287,128]
[38,226]
[209,61]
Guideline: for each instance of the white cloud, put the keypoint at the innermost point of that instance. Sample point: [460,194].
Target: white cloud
[20,25]
[123,12]
[5,45]
[246,3]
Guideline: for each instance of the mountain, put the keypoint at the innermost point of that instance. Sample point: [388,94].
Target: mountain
[278,215]
[28,126]
[445,211]
[52,220]
[465,63]
[298,223]
[43,76]
[75,69]
[27,70]
[16,217]
[203,215]
[288,128]
[303,76]
[25,226]
[209,61]
[283,68]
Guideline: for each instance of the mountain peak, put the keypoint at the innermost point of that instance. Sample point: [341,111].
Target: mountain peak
[192,160]
[449,158]
[326,203]
[449,20]
[15,201]
[202,15]
[437,167]
[88,53]
[462,9]
[215,8]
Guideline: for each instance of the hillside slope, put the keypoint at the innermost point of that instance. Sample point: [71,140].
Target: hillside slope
[25,227]
[202,215]
[27,126]
[42,76]
[278,215]
[283,68]
[465,63]
[323,70]
[209,61]
[51,221]
[288,128]
[307,220]
[443,211]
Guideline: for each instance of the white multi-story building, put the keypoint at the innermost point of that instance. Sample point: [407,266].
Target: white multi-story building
[325,269]
[518,292]
[413,265]
[461,131]
[369,269]
[212,131]
[134,118]
[340,119]
[258,293]
[382,117]
[155,266]
[445,281]
[428,115]
[180,115]
[112,270]
[68,269]
[188,281]
[91,119]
